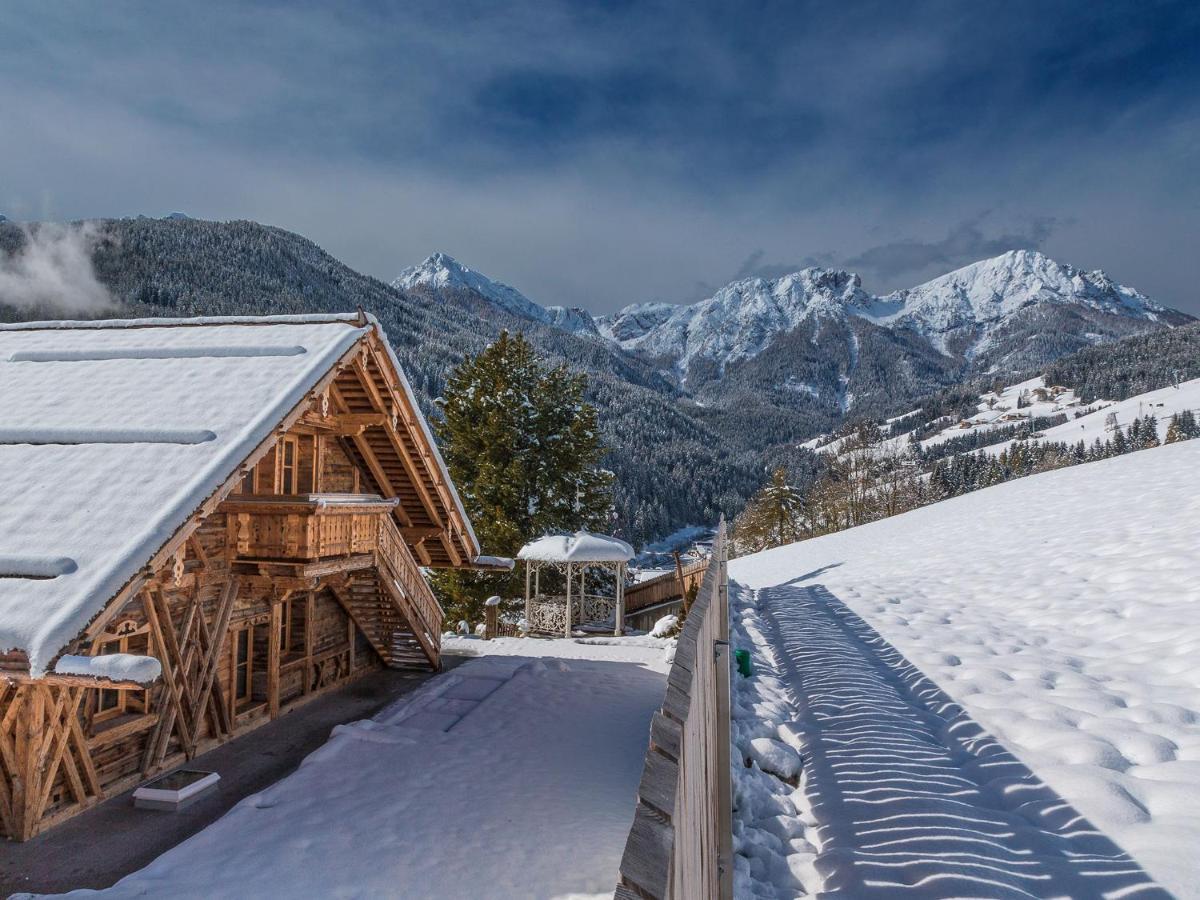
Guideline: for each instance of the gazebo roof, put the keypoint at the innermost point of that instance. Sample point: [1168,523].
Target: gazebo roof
[580,547]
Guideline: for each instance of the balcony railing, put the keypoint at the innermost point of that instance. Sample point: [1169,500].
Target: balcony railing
[397,563]
[309,527]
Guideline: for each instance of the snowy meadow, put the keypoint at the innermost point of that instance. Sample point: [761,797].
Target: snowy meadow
[1061,612]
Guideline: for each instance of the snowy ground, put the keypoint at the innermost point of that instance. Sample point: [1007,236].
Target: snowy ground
[1061,612]
[512,776]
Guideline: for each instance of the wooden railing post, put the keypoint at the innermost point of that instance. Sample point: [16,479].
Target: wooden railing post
[491,618]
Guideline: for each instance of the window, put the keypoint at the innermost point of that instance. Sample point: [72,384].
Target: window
[288,465]
[292,627]
[243,665]
[285,627]
[114,702]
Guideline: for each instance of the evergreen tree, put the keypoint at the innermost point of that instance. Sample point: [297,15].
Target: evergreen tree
[773,517]
[1175,430]
[1188,425]
[1119,444]
[1149,432]
[522,447]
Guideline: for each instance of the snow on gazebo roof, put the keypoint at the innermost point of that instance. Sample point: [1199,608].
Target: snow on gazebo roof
[580,547]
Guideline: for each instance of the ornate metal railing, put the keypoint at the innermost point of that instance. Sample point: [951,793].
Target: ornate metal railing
[547,613]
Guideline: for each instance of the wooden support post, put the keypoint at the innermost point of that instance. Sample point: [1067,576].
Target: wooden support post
[351,639]
[35,716]
[491,616]
[273,636]
[310,614]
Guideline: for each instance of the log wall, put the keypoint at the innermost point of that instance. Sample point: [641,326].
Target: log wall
[681,842]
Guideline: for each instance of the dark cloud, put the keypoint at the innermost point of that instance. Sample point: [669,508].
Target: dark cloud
[754,267]
[965,243]
[596,154]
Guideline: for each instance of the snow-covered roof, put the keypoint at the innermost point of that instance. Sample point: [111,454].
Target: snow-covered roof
[114,433]
[582,546]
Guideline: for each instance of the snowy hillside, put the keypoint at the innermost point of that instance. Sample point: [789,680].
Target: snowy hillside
[1034,399]
[442,271]
[1106,415]
[1062,613]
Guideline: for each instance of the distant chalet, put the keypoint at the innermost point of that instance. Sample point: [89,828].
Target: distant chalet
[204,522]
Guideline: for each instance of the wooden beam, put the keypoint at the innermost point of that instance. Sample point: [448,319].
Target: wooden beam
[327,567]
[55,679]
[215,641]
[412,534]
[356,423]
[310,614]
[456,560]
[175,716]
[274,627]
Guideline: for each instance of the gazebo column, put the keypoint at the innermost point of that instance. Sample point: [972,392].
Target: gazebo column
[619,618]
[568,628]
[528,596]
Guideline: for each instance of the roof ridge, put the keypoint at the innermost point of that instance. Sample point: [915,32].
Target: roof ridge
[188,322]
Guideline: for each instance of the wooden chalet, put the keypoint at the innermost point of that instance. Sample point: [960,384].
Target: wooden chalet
[205,523]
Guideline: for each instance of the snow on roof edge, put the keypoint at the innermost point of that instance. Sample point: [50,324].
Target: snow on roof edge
[302,319]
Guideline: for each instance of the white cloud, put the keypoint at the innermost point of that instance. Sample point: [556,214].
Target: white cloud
[53,268]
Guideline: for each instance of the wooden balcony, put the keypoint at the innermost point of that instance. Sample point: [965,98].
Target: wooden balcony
[351,535]
[309,527]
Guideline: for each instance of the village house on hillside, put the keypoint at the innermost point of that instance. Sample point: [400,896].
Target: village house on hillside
[205,522]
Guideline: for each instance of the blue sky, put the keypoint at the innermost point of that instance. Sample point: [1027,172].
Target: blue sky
[597,154]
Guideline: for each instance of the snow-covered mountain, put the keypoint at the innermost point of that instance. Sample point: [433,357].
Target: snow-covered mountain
[737,322]
[969,304]
[441,272]
[816,340]
[965,314]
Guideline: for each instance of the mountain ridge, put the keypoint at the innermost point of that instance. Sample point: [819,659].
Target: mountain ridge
[964,314]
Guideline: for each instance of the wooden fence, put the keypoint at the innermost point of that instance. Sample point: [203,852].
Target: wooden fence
[681,842]
[662,588]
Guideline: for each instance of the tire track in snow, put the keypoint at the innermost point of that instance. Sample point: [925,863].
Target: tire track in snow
[910,796]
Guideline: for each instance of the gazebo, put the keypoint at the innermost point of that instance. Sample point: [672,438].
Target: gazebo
[574,554]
